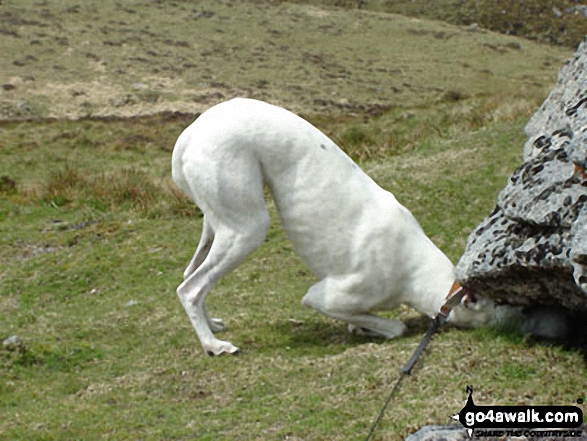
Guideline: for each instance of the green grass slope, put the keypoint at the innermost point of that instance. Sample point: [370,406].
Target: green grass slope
[93,242]
[64,59]
[560,22]
[549,21]
[94,237]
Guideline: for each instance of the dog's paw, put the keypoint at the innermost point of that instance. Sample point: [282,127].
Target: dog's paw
[216,325]
[221,347]
[398,329]
[363,332]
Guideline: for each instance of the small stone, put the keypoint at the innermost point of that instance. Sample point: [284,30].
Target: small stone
[459,433]
[435,433]
[557,12]
[13,343]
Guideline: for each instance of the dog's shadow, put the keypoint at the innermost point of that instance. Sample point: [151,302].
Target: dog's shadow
[321,333]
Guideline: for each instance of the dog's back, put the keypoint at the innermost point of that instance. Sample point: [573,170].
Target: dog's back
[325,201]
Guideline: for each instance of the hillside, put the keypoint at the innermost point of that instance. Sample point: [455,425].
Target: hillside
[94,236]
[560,22]
[133,58]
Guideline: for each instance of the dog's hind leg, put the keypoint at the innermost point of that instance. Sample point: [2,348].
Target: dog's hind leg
[333,297]
[228,250]
[202,250]
[215,324]
[231,197]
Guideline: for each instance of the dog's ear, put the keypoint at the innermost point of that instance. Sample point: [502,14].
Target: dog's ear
[469,300]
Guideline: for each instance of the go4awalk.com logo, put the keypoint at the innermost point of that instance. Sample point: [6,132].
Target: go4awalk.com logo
[534,421]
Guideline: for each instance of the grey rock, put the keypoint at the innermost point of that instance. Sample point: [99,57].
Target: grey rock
[565,106]
[556,11]
[532,250]
[458,433]
[13,343]
[448,433]
[579,9]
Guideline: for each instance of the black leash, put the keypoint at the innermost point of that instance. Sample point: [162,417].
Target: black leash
[436,323]
[439,320]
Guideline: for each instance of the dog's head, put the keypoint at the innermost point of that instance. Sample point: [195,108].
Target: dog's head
[472,312]
[475,311]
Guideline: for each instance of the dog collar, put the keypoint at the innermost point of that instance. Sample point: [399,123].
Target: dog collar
[453,298]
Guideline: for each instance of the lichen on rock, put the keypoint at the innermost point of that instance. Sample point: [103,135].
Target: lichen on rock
[532,250]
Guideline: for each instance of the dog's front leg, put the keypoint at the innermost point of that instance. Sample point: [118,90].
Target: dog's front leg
[335,298]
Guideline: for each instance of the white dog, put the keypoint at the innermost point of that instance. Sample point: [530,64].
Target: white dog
[368,251]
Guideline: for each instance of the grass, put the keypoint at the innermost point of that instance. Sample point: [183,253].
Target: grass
[548,21]
[109,352]
[94,237]
[147,57]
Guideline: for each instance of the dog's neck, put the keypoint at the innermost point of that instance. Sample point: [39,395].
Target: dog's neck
[433,282]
